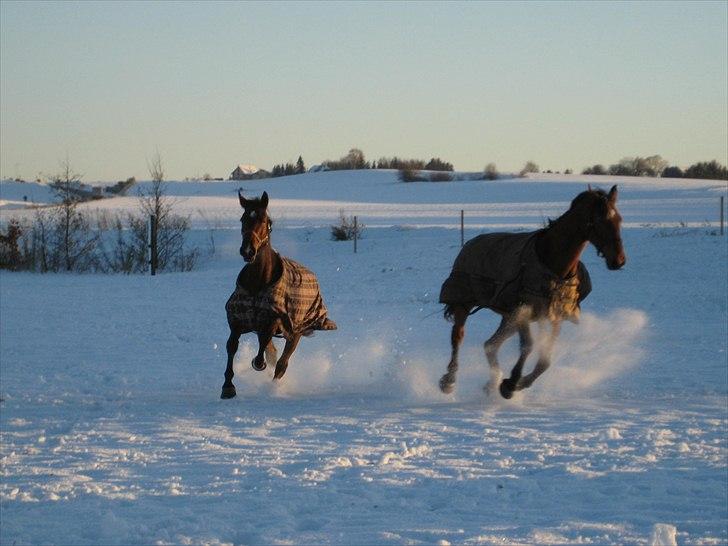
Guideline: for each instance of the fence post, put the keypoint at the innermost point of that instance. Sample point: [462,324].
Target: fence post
[722,208]
[153,244]
[462,227]
[356,233]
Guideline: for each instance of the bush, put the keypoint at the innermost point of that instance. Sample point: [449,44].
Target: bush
[440,176]
[346,229]
[529,167]
[10,254]
[122,187]
[490,172]
[124,248]
[410,175]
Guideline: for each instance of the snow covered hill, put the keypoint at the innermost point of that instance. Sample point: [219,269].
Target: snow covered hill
[112,430]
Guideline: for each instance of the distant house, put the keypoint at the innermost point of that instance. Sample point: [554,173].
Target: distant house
[244,172]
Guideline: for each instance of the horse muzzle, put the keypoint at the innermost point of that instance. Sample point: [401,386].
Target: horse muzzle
[617,263]
[248,255]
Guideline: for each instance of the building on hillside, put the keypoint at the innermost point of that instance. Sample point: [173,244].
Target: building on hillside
[244,172]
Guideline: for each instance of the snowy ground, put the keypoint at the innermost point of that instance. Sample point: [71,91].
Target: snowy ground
[112,430]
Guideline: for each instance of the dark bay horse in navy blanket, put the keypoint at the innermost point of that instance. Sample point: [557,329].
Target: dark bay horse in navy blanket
[527,277]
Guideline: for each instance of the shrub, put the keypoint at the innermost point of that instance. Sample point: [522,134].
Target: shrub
[122,187]
[440,176]
[10,255]
[529,167]
[490,172]
[346,229]
[124,250]
[410,175]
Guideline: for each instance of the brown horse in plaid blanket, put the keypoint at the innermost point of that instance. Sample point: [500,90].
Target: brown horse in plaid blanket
[273,296]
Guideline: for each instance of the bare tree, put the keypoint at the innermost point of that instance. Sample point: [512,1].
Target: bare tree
[154,201]
[74,240]
[168,247]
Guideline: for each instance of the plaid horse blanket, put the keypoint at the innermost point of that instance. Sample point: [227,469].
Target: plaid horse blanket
[501,271]
[294,300]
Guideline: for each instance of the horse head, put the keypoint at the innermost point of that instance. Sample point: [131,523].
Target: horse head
[604,225]
[256,225]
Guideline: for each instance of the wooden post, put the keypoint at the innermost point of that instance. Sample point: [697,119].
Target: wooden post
[722,208]
[462,227]
[356,233]
[153,244]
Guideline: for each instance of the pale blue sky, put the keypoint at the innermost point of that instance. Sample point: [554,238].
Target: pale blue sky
[211,85]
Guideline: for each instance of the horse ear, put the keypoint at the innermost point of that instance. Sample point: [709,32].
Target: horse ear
[588,187]
[243,201]
[264,200]
[613,195]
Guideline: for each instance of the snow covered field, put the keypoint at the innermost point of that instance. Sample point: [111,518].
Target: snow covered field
[112,430]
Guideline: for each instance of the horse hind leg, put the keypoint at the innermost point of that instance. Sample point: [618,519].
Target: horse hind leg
[544,358]
[460,315]
[271,354]
[505,330]
[511,384]
[282,364]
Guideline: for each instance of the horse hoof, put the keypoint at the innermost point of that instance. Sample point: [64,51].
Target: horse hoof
[280,370]
[447,386]
[506,390]
[258,368]
[228,392]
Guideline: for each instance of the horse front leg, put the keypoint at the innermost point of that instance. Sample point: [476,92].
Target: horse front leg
[460,315]
[228,389]
[544,357]
[282,364]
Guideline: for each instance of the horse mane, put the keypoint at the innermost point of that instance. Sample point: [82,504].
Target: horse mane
[580,200]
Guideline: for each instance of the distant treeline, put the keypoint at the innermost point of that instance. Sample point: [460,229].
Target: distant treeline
[355,160]
[655,165]
[409,169]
